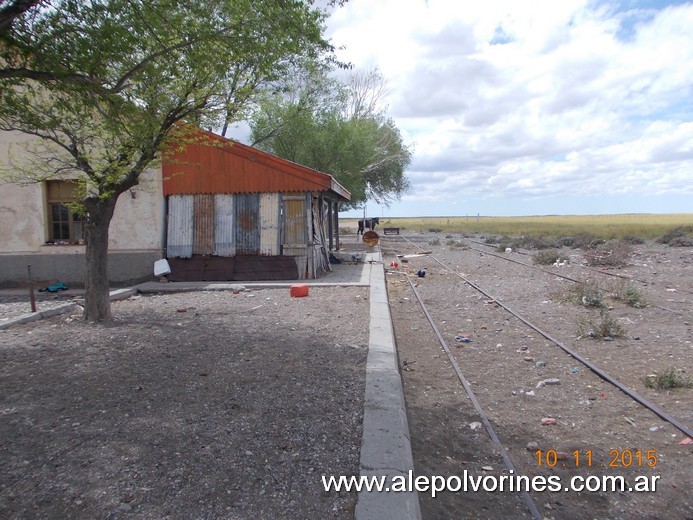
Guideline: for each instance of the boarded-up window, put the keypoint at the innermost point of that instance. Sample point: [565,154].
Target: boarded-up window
[64,224]
[294,224]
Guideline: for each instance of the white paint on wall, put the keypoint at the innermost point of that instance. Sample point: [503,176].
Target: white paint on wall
[137,225]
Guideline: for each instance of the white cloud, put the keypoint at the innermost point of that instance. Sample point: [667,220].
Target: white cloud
[533,98]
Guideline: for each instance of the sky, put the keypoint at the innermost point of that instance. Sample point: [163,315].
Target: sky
[532,107]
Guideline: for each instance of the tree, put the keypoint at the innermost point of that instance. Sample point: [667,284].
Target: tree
[337,128]
[105,85]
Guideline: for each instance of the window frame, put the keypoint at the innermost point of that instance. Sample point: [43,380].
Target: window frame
[59,195]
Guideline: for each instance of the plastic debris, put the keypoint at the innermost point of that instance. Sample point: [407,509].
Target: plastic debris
[462,339]
[59,286]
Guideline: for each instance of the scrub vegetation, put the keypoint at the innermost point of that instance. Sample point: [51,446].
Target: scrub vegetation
[570,231]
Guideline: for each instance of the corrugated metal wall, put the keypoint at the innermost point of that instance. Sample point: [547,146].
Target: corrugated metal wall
[247,217]
[224,234]
[179,235]
[203,224]
[269,224]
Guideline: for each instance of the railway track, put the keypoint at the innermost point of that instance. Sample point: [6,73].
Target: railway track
[512,388]
[591,270]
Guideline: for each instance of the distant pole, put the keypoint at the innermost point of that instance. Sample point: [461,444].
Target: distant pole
[477,217]
[31,290]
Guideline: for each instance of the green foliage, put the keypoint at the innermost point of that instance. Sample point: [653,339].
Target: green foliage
[667,379]
[105,85]
[337,129]
[588,294]
[456,244]
[606,326]
[119,75]
[548,257]
[628,293]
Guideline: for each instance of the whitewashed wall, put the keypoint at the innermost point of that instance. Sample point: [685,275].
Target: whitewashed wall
[138,222]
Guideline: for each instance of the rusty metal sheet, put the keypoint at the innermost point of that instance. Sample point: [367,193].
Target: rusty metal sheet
[247,219]
[214,164]
[203,224]
[269,224]
[224,234]
[179,233]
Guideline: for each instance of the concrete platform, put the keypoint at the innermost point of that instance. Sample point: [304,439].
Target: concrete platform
[385,446]
[357,275]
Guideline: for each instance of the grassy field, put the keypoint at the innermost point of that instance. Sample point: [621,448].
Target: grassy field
[647,226]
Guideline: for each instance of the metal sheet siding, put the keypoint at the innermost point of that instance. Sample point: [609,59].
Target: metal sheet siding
[179,235]
[269,224]
[203,231]
[247,213]
[224,234]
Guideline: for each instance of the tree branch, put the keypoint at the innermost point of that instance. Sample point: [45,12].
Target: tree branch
[13,11]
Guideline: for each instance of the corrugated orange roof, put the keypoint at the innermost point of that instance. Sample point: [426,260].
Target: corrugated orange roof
[220,165]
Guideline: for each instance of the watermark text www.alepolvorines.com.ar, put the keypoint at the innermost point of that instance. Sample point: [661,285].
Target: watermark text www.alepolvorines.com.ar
[468,482]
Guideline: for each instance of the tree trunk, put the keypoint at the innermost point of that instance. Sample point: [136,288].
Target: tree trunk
[97,306]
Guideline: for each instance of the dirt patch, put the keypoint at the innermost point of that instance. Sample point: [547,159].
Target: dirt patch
[195,405]
[506,363]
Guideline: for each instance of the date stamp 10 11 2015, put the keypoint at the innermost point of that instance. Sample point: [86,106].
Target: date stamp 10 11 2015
[585,459]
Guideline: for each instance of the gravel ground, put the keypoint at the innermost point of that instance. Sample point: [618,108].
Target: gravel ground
[222,405]
[15,302]
[194,405]
[506,363]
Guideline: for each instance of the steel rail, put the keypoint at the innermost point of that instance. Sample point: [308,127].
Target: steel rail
[588,268]
[470,393]
[662,414]
[565,277]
